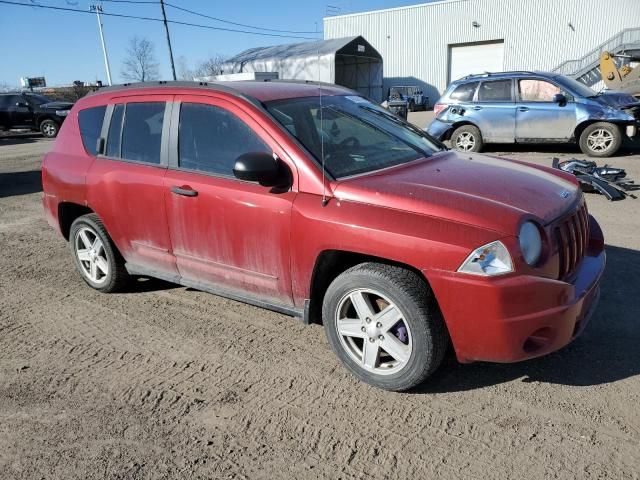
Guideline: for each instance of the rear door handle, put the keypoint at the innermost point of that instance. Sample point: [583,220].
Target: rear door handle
[523,109]
[185,190]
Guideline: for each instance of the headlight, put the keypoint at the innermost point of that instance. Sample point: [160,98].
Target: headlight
[530,242]
[490,259]
[62,113]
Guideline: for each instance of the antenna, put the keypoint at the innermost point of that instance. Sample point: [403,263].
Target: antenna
[325,200]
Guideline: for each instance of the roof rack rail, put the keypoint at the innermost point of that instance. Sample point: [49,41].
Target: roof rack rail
[488,74]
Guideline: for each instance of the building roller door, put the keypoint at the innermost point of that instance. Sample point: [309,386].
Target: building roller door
[473,58]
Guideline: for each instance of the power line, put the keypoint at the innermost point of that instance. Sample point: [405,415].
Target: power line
[228,21]
[151,19]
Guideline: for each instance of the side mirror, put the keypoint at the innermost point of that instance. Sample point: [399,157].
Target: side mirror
[22,105]
[560,99]
[260,167]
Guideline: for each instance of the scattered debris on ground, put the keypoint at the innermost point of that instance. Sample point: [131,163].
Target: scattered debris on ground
[610,181]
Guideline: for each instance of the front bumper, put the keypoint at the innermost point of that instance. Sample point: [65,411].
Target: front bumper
[517,317]
[439,129]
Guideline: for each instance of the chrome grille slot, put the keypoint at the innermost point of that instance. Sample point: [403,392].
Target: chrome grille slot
[572,237]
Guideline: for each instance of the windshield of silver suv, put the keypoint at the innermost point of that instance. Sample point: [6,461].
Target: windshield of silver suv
[352,134]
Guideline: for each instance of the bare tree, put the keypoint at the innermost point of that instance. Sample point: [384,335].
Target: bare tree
[140,64]
[210,66]
[184,72]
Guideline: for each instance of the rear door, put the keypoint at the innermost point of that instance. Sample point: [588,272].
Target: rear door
[228,234]
[125,183]
[494,111]
[538,117]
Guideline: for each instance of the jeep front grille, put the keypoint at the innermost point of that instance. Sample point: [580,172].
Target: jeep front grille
[572,237]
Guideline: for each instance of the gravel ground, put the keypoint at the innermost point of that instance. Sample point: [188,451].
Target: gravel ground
[168,382]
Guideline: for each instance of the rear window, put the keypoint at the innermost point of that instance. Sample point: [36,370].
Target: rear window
[464,92]
[90,120]
[142,132]
[495,91]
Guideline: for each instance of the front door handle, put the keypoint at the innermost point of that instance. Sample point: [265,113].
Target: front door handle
[477,107]
[523,109]
[185,190]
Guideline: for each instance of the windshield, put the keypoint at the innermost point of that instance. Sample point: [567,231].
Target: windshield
[38,99]
[575,87]
[355,135]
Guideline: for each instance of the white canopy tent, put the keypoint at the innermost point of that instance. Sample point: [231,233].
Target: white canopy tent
[351,62]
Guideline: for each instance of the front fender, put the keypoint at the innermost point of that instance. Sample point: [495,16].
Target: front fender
[420,241]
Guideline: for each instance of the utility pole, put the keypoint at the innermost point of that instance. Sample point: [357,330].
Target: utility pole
[98,10]
[166,27]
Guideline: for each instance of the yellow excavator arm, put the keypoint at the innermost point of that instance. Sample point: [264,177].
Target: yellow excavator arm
[625,78]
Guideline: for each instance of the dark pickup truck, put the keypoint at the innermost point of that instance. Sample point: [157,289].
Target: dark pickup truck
[26,110]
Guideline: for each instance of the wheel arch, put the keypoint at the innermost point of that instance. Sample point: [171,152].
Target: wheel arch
[456,125]
[68,212]
[577,132]
[331,263]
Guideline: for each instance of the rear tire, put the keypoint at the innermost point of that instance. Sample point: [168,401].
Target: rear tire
[467,138]
[402,338]
[49,128]
[96,257]
[601,139]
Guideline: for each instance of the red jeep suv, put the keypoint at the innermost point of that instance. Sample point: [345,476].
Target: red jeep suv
[312,201]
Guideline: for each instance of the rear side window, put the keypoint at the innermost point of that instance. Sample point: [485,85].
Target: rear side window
[464,92]
[115,132]
[90,120]
[142,132]
[210,139]
[495,91]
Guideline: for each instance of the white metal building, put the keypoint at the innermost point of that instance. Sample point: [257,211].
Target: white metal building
[434,43]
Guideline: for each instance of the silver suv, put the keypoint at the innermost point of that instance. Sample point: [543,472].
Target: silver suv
[533,107]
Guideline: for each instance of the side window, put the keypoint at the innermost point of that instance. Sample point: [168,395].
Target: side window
[210,139]
[142,132]
[90,120]
[5,101]
[495,91]
[537,91]
[115,132]
[464,92]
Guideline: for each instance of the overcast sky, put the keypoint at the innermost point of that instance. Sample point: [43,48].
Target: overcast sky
[65,46]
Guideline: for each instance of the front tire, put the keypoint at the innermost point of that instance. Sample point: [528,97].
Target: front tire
[96,257]
[467,138]
[49,128]
[601,139]
[385,326]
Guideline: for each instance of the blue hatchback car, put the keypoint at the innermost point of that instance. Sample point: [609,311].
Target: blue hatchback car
[533,107]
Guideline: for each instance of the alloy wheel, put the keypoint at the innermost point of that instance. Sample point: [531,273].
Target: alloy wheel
[465,141]
[91,255]
[372,330]
[600,140]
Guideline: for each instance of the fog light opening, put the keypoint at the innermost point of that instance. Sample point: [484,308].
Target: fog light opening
[537,340]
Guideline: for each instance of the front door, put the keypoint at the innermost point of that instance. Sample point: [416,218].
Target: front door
[538,117]
[225,233]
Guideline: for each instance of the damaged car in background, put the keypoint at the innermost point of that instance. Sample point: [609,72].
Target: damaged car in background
[533,107]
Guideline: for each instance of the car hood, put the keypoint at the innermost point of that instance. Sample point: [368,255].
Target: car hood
[57,106]
[481,190]
[617,100]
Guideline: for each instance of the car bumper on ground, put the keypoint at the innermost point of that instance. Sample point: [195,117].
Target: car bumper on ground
[438,129]
[517,317]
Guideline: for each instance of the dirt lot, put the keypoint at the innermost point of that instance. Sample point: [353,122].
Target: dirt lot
[167,382]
